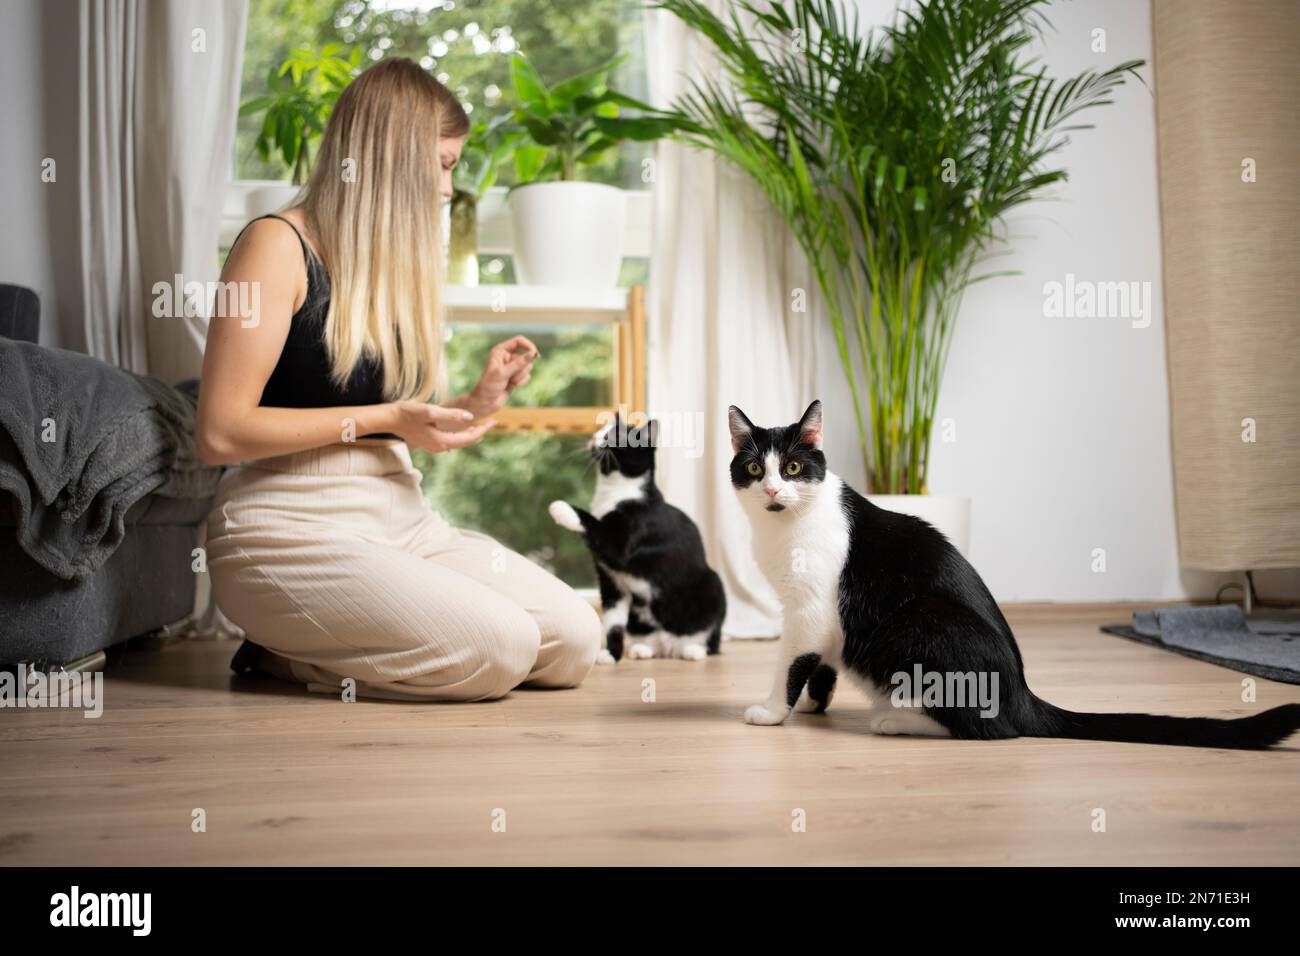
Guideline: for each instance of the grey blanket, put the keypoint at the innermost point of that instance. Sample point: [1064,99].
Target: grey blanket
[82,441]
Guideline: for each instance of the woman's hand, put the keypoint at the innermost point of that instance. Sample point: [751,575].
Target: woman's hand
[435,428]
[509,365]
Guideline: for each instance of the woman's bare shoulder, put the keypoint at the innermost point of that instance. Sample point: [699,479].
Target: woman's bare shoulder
[268,237]
[269,253]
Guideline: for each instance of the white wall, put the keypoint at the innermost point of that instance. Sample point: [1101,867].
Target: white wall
[1062,425]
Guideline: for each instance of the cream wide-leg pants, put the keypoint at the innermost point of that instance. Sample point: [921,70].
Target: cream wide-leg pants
[334,560]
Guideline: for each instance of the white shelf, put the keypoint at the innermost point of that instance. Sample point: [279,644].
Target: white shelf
[552,305]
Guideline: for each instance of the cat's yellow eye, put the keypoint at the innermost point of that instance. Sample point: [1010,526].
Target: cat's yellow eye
[754,468]
[793,468]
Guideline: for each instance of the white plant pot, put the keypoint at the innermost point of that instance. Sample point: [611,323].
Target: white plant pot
[269,199]
[568,234]
[949,513]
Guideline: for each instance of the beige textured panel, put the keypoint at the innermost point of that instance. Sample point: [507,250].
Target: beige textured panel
[1228,89]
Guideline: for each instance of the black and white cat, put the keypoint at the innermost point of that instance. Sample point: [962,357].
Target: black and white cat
[656,586]
[886,598]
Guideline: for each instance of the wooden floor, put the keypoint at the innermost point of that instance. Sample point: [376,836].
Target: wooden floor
[599,776]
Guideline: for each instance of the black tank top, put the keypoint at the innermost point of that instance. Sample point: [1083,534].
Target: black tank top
[301,378]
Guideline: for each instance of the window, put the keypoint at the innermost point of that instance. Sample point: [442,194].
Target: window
[467,44]
[503,485]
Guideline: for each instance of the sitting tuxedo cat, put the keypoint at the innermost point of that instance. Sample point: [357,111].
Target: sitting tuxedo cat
[886,598]
[656,588]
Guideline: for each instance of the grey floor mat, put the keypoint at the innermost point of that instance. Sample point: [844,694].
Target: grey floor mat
[1268,646]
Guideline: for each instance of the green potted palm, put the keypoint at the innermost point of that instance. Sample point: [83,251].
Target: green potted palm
[301,93]
[568,231]
[894,158]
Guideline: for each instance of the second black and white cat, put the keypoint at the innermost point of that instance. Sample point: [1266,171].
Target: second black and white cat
[885,598]
[657,591]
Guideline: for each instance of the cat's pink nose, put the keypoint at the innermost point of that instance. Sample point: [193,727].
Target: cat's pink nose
[771,492]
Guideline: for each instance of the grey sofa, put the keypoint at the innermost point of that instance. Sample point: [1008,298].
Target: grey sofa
[146,584]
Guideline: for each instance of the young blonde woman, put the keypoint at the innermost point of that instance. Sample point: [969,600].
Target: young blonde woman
[320,544]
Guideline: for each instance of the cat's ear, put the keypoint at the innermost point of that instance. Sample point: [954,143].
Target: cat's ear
[741,428]
[810,426]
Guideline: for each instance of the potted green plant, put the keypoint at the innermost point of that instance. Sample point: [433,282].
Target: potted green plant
[569,232]
[894,159]
[301,95]
[488,147]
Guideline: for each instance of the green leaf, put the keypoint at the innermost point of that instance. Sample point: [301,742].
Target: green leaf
[528,85]
[288,144]
[641,129]
[570,89]
[596,150]
[882,166]
[801,174]
[593,106]
[528,162]
[545,133]
[620,99]
[255,105]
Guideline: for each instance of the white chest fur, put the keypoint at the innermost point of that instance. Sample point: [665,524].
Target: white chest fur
[802,554]
[614,488]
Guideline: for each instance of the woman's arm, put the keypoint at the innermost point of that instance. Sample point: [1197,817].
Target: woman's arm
[242,351]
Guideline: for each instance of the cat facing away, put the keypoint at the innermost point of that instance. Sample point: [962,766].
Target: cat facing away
[886,599]
[657,591]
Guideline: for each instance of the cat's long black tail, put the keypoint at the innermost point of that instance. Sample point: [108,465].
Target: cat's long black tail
[1243,733]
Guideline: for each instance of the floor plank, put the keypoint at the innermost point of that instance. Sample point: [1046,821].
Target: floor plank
[598,775]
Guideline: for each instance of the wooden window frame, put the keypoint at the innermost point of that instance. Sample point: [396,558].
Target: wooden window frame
[622,309]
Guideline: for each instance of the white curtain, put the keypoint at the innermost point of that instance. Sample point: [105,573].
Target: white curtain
[730,322]
[159,98]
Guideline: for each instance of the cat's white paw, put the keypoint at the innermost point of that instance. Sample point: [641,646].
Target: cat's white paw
[760,715]
[692,652]
[885,724]
[605,657]
[640,652]
[562,513]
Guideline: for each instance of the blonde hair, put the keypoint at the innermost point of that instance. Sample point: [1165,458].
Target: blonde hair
[373,205]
